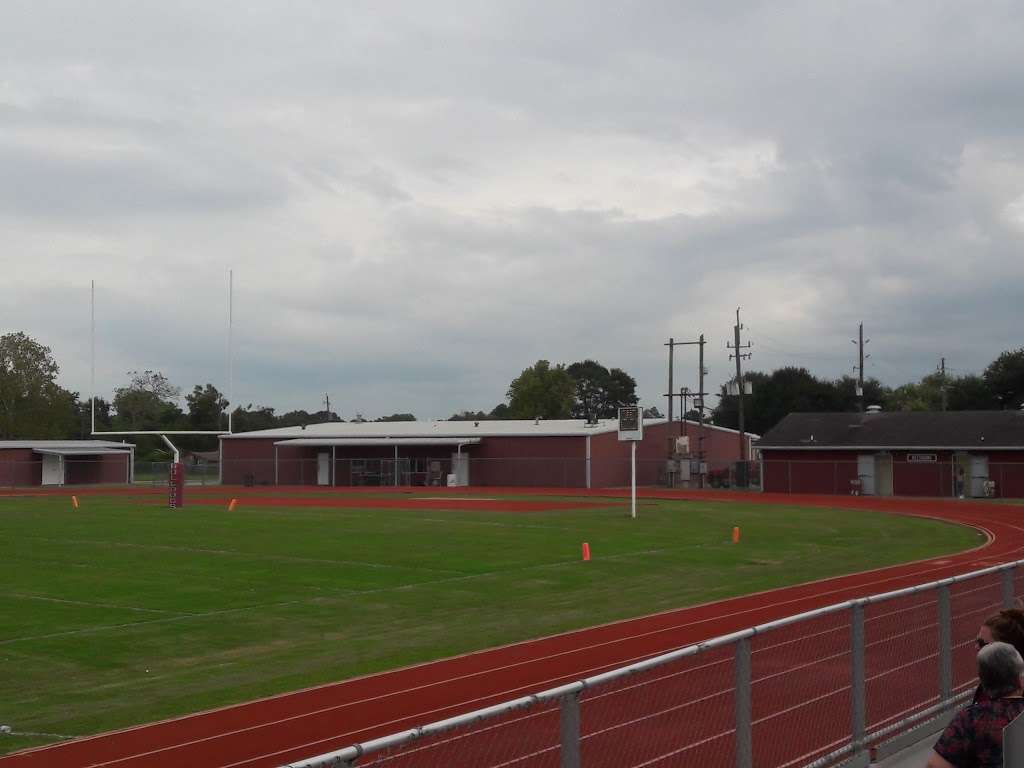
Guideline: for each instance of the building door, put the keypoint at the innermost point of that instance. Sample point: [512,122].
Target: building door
[460,468]
[883,474]
[979,476]
[866,473]
[53,470]
[323,468]
[961,475]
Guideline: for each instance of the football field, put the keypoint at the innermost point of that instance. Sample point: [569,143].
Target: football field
[124,611]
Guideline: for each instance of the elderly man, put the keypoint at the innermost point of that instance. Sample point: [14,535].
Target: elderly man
[975,737]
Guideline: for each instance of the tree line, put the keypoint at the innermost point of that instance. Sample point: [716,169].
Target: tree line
[793,389]
[34,406]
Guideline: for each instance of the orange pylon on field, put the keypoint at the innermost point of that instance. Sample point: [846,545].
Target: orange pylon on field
[232,505]
[736,535]
[74,502]
[586,551]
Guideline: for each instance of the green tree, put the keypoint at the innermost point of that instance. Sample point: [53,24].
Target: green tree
[32,405]
[500,411]
[148,402]
[792,390]
[1005,378]
[206,408]
[542,391]
[252,418]
[84,418]
[970,393]
[397,417]
[468,416]
[600,392]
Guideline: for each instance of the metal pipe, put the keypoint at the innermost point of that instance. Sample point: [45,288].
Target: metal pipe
[174,449]
[744,710]
[569,730]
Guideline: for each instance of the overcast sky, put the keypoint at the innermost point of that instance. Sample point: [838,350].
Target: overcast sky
[419,200]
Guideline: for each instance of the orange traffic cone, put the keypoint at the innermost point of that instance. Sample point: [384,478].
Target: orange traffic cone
[232,505]
[736,535]
[586,551]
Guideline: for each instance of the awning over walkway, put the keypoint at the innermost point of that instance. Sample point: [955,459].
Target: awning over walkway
[82,451]
[337,442]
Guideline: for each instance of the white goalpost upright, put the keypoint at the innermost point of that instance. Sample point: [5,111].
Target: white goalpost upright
[177,472]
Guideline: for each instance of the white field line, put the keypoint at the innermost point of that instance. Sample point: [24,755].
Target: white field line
[44,598]
[240,553]
[927,566]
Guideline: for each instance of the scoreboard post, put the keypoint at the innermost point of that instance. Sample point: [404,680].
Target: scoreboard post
[631,429]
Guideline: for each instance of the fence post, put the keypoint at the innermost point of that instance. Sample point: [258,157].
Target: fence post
[569,728]
[945,646]
[744,719]
[857,698]
[1008,587]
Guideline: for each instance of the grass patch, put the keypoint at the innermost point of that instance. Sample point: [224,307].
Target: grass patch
[124,612]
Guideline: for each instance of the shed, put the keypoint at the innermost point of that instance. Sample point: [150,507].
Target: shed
[65,462]
[905,453]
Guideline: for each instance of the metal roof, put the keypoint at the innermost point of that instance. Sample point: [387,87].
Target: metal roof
[453,429]
[376,441]
[81,451]
[951,430]
[62,444]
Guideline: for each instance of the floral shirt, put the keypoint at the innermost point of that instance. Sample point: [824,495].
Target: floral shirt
[975,737]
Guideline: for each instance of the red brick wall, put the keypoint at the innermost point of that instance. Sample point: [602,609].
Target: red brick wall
[529,461]
[87,470]
[831,471]
[610,458]
[808,471]
[20,466]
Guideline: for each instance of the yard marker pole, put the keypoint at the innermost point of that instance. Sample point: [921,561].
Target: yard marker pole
[633,473]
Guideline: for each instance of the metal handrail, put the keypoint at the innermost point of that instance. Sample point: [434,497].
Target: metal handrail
[342,758]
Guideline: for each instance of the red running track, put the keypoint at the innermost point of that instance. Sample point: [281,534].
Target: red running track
[273,731]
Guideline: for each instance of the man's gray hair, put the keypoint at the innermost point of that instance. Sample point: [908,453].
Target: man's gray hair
[1000,667]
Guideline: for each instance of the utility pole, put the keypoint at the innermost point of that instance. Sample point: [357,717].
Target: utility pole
[327,405]
[684,392]
[700,410]
[860,341]
[739,355]
[671,351]
[942,387]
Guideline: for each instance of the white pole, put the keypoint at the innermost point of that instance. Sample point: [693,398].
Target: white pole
[92,343]
[231,348]
[633,489]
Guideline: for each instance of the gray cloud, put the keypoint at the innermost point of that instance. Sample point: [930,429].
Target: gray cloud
[418,202]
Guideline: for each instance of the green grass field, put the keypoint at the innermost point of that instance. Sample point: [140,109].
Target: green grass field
[124,612]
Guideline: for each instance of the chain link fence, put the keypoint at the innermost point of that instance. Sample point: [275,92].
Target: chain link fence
[525,472]
[893,476]
[812,690]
